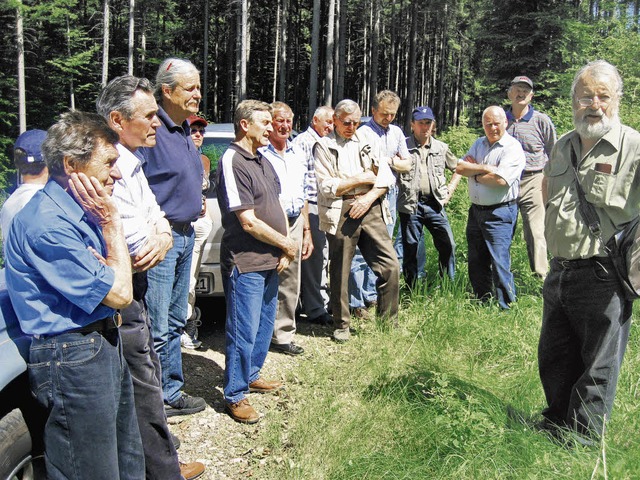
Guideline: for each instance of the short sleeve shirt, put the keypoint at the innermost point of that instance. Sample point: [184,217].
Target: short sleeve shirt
[507,155]
[55,283]
[537,135]
[247,181]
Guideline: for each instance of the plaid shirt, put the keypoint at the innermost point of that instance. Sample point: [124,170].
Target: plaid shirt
[306,141]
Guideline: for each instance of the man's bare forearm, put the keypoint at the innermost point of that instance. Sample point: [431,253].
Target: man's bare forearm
[118,259]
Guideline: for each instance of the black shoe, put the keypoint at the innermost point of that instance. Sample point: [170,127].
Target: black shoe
[322,319]
[185,405]
[287,348]
[175,440]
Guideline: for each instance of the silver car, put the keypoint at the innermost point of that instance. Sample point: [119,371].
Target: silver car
[217,138]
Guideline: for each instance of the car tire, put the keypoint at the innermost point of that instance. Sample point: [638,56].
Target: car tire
[15,448]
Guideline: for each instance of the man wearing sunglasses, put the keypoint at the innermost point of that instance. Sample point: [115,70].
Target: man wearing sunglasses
[351,183]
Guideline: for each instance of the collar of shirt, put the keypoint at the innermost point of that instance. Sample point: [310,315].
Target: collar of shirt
[170,125]
[525,118]
[64,200]
[246,154]
[612,137]
[377,128]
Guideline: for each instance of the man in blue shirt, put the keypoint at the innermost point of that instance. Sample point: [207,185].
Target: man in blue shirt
[174,171]
[68,270]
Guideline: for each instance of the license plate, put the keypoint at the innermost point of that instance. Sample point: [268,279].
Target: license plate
[203,286]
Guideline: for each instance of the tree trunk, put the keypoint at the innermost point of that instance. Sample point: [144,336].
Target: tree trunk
[276,53]
[241,66]
[132,23]
[143,39]
[22,103]
[205,60]
[315,55]
[105,44]
[282,64]
[375,40]
[411,69]
[72,95]
[342,47]
[328,83]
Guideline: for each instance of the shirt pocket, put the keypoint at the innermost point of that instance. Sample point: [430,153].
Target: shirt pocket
[559,177]
[598,186]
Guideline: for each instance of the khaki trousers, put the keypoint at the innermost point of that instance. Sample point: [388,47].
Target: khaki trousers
[370,234]
[532,209]
[289,291]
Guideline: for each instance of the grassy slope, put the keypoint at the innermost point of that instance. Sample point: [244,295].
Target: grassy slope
[436,398]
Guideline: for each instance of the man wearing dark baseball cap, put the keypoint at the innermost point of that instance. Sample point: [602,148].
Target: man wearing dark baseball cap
[32,174]
[424,192]
[537,135]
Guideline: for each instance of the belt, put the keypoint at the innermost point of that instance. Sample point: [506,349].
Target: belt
[293,218]
[422,197]
[497,205]
[181,227]
[568,264]
[352,197]
[104,325]
[528,173]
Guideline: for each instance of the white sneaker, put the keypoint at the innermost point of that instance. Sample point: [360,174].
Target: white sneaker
[191,343]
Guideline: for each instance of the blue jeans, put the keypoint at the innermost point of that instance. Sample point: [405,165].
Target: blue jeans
[429,214]
[252,300]
[585,329]
[489,235]
[84,383]
[167,300]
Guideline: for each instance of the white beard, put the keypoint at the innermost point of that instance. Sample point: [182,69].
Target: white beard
[597,130]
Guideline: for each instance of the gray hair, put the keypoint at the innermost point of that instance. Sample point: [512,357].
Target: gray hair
[117,95]
[323,110]
[499,111]
[346,106]
[169,71]
[245,111]
[385,96]
[599,70]
[75,135]
[280,106]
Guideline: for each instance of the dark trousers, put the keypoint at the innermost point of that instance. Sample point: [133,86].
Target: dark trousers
[585,328]
[370,234]
[430,214]
[161,458]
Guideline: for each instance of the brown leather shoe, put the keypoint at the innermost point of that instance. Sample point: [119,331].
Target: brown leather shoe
[264,386]
[242,412]
[191,470]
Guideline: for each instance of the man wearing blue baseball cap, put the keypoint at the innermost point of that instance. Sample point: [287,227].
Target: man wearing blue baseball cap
[32,172]
[424,192]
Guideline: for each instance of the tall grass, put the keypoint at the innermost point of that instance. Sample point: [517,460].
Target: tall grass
[453,393]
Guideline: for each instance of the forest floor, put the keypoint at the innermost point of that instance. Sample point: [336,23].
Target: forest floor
[228,449]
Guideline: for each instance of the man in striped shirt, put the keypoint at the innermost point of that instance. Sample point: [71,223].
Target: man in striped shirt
[537,135]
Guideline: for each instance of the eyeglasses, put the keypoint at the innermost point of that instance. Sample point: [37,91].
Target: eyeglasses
[197,130]
[350,123]
[588,101]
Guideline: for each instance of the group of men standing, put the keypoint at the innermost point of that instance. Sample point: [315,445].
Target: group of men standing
[100,280]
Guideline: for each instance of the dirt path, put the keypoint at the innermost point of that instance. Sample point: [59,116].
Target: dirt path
[228,449]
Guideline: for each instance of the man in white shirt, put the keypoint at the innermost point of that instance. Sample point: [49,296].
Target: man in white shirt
[289,162]
[493,165]
[129,107]
[31,167]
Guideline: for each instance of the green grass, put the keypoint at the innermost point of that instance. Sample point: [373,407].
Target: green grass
[452,394]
